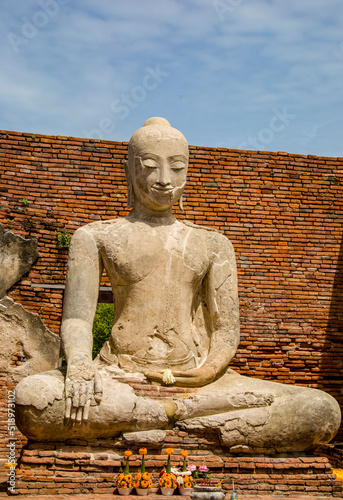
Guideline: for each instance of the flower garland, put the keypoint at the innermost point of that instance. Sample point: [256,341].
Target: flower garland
[142,479]
[124,479]
[186,475]
[170,477]
[167,477]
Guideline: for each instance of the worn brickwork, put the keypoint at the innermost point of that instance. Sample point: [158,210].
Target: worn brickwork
[52,468]
[282,212]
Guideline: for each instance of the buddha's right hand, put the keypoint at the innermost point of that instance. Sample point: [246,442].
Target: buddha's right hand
[82,383]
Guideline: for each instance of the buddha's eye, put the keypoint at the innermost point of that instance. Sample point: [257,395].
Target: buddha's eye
[178,165]
[149,163]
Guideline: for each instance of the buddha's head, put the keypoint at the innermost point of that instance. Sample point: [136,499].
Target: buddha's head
[157,165]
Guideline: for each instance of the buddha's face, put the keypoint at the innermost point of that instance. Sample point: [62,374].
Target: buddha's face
[159,172]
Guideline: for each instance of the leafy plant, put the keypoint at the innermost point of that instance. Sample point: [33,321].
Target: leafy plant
[102,326]
[25,202]
[64,238]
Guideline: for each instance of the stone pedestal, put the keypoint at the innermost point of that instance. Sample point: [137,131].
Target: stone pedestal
[91,467]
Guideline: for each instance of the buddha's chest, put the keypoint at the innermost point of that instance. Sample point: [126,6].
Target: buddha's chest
[144,253]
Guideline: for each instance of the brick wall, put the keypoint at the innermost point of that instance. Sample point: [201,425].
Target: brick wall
[52,468]
[282,212]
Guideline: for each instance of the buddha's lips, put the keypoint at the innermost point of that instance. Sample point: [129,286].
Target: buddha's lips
[162,191]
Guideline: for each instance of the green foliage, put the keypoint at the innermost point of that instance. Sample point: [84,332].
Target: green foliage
[64,238]
[25,202]
[102,326]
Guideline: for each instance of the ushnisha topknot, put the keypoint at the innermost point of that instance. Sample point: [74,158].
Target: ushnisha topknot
[156,121]
[154,129]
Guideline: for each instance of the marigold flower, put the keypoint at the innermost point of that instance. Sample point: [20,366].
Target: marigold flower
[123,484]
[187,485]
[169,451]
[144,483]
[128,453]
[143,451]
[184,453]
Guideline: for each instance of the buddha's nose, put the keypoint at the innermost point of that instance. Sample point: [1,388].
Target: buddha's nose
[164,175]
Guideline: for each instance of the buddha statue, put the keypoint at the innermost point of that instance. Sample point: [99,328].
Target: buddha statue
[176,322]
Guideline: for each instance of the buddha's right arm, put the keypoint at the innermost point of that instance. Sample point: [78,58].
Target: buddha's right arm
[80,300]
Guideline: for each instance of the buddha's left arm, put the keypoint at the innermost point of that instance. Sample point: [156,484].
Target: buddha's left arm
[221,308]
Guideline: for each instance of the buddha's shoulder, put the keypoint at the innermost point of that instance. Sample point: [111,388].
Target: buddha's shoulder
[99,228]
[213,238]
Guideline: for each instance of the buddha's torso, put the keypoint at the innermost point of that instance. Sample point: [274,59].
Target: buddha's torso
[156,274]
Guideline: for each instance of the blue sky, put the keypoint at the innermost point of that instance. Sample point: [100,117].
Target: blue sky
[246,74]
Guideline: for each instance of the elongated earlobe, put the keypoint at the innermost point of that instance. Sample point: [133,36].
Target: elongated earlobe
[129,195]
[181,204]
[129,184]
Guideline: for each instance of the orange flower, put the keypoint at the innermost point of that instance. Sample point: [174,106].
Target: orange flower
[128,453]
[123,484]
[184,453]
[143,451]
[169,451]
[144,483]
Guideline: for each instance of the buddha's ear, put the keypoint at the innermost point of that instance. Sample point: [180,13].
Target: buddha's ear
[181,204]
[129,184]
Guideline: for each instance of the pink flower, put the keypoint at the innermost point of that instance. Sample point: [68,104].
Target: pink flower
[191,467]
[203,468]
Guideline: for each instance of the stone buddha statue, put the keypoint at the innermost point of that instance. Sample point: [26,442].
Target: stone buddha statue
[176,323]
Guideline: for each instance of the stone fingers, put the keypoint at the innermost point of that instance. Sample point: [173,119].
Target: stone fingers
[79,413]
[76,394]
[97,387]
[68,393]
[158,376]
[78,399]
[84,393]
[86,410]
[68,408]
[85,396]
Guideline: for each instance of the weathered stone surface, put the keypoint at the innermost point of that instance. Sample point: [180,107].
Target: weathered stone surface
[152,438]
[16,258]
[27,346]
[176,311]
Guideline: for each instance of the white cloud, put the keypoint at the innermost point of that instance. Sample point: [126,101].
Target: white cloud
[224,76]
